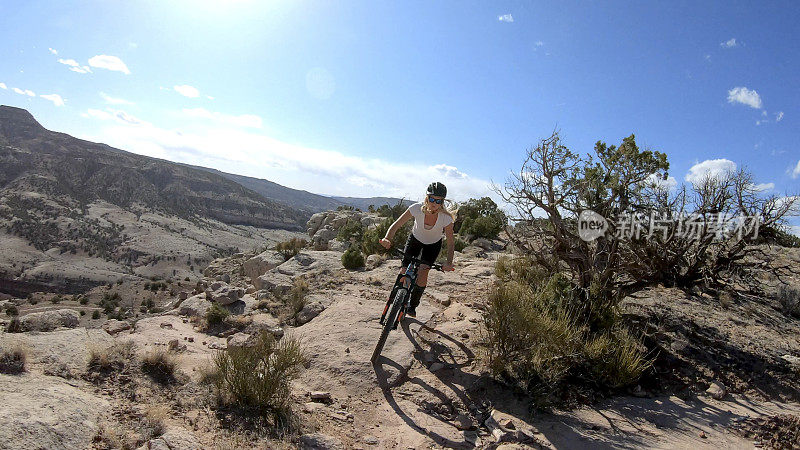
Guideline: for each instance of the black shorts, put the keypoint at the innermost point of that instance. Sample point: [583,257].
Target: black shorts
[416,248]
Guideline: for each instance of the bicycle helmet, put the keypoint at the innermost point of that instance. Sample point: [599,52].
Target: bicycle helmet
[438,189]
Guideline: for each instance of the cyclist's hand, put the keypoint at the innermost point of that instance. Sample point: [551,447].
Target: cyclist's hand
[385,243]
[448,267]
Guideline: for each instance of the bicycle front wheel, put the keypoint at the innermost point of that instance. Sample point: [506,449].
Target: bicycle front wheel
[391,318]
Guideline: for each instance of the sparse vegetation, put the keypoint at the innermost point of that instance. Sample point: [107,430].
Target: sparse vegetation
[480,218]
[290,248]
[257,378]
[789,298]
[352,258]
[161,366]
[369,243]
[536,340]
[216,315]
[12,310]
[12,360]
[297,295]
[103,360]
[95,314]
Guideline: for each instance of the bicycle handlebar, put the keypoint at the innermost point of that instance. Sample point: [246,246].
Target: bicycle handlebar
[402,254]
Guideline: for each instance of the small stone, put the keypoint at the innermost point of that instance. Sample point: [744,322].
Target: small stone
[371,440]
[446,302]
[464,422]
[166,325]
[464,335]
[717,391]
[191,339]
[347,350]
[703,435]
[216,346]
[320,396]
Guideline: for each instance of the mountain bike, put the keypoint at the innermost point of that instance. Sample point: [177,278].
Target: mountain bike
[399,300]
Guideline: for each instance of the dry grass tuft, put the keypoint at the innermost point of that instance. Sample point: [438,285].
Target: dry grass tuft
[12,360]
[105,360]
[161,365]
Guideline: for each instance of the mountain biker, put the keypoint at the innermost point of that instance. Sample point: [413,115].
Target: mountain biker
[431,220]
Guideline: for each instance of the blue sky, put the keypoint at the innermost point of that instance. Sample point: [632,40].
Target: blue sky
[377,98]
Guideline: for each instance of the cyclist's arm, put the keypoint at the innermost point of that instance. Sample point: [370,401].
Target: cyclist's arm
[451,243]
[397,224]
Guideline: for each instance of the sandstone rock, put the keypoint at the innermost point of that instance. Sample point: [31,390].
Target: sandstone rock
[336,245]
[483,243]
[318,441]
[261,263]
[717,391]
[273,281]
[371,440]
[474,251]
[183,295]
[115,326]
[174,438]
[374,261]
[464,422]
[195,306]
[49,320]
[42,412]
[320,396]
[308,312]
[61,351]
[240,340]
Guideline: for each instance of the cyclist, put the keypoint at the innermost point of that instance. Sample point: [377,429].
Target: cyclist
[431,220]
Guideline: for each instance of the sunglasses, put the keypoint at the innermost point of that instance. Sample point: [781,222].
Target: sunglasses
[438,201]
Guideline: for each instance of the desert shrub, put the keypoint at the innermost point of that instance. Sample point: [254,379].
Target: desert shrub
[480,218]
[394,211]
[111,359]
[160,365]
[12,360]
[12,310]
[83,313]
[56,299]
[291,247]
[350,230]
[370,244]
[352,258]
[297,294]
[789,298]
[458,246]
[536,338]
[216,315]
[83,300]
[628,186]
[257,378]
[95,314]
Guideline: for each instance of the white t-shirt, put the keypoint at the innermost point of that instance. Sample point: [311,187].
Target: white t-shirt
[423,234]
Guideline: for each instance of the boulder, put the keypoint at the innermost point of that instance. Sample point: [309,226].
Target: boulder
[173,438]
[274,281]
[115,326]
[336,245]
[261,263]
[195,306]
[717,391]
[308,312]
[374,261]
[223,293]
[49,320]
[319,441]
[43,412]
[240,340]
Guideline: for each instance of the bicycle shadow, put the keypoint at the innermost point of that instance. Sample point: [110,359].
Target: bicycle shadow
[466,379]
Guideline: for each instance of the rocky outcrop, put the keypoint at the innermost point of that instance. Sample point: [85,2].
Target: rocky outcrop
[43,412]
[195,306]
[324,226]
[260,264]
[49,320]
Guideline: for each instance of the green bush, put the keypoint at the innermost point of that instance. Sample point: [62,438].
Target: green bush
[12,310]
[351,229]
[480,218]
[352,258]
[216,315]
[258,377]
[96,314]
[291,247]
[370,244]
[535,337]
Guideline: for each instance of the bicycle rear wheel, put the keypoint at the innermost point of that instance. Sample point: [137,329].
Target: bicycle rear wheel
[391,318]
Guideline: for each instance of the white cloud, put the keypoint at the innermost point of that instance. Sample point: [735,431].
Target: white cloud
[113,100]
[27,92]
[670,183]
[764,113]
[244,120]
[710,168]
[745,96]
[3,86]
[779,116]
[796,171]
[312,169]
[55,98]
[730,43]
[506,18]
[187,91]
[69,62]
[117,114]
[708,57]
[209,97]
[761,187]
[109,63]
[53,51]
[75,66]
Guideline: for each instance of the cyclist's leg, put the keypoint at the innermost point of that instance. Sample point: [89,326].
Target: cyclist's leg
[429,254]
